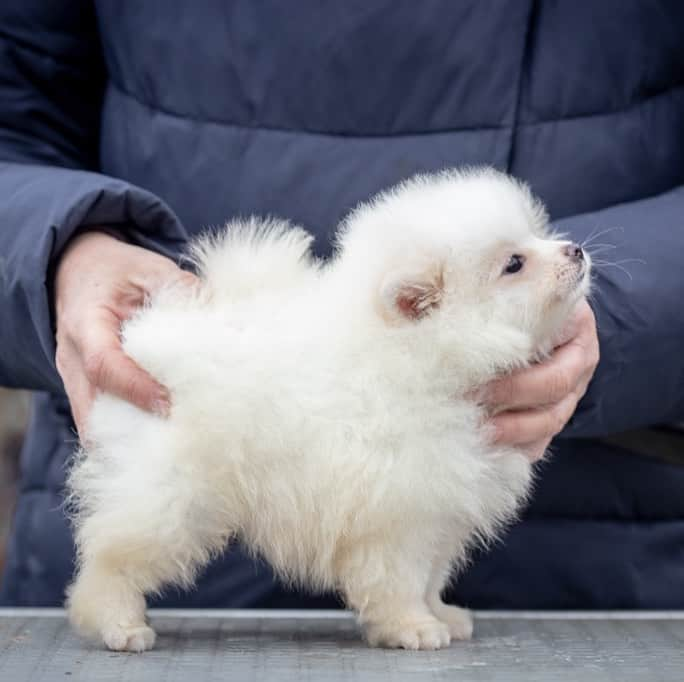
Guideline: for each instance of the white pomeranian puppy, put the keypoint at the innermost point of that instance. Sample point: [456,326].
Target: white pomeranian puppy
[323,413]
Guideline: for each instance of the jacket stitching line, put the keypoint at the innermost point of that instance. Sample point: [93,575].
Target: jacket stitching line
[524,56]
[419,133]
[276,129]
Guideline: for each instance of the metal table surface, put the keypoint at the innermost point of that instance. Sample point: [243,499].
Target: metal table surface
[38,645]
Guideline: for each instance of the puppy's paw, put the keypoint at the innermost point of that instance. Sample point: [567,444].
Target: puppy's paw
[458,620]
[137,638]
[419,634]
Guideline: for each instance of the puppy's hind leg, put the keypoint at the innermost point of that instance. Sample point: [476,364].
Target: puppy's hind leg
[140,534]
[458,620]
[106,603]
[386,583]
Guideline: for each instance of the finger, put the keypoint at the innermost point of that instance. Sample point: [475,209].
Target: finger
[584,382]
[183,280]
[81,396]
[543,384]
[188,279]
[110,370]
[529,426]
[587,340]
[536,451]
[128,299]
[79,391]
[168,275]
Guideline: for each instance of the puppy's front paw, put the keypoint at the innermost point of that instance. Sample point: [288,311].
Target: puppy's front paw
[137,638]
[458,620]
[419,634]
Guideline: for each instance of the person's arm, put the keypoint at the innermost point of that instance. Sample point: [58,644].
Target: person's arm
[51,84]
[638,299]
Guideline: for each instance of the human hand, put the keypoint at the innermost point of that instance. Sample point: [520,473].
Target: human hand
[530,406]
[100,282]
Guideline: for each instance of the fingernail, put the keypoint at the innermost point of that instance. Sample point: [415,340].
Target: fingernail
[162,407]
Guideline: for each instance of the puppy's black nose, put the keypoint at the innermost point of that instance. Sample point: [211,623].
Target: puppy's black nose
[574,252]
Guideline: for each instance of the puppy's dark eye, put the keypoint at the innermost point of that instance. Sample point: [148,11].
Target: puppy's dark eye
[515,264]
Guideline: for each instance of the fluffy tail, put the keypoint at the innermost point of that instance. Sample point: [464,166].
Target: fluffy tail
[251,256]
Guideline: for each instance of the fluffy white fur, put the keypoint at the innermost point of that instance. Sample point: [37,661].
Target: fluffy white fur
[321,412]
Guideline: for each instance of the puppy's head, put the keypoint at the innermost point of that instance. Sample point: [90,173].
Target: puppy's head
[466,257]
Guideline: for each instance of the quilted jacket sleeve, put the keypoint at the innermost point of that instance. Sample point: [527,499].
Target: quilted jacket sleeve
[638,298]
[51,84]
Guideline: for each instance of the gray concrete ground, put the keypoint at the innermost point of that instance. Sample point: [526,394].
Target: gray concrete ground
[242,645]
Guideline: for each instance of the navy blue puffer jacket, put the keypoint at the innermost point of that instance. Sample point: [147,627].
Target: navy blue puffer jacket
[165,117]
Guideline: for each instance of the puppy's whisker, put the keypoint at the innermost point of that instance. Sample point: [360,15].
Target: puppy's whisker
[598,245]
[600,248]
[618,265]
[623,261]
[641,261]
[559,235]
[591,234]
[594,236]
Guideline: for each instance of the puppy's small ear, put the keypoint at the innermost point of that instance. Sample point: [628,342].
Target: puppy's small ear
[412,297]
